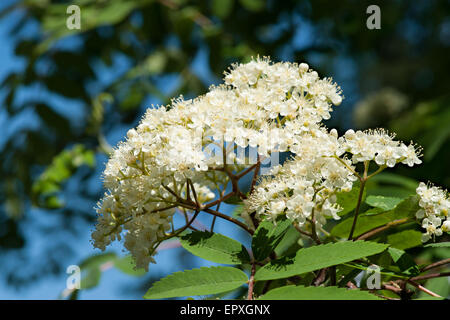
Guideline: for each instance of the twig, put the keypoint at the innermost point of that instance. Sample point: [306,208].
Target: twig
[217,209]
[255,175]
[184,227]
[243,173]
[436,264]
[421,288]
[251,282]
[347,166]
[305,233]
[193,191]
[375,231]
[320,277]
[215,202]
[228,218]
[358,205]
[431,276]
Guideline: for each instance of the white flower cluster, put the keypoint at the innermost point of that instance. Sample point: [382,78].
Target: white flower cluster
[262,104]
[309,183]
[377,145]
[435,206]
[305,187]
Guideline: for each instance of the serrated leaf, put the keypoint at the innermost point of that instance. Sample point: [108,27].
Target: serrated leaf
[127,266]
[215,247]
[203,281]
[317,293]
[318,257]
[385,203]
[267,236]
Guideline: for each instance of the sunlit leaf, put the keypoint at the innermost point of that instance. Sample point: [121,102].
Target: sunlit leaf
[203,281]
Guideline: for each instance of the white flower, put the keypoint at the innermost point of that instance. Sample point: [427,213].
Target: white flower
[434,205]
[446,226]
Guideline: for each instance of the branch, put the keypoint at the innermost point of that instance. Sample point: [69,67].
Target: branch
[361,192]
[193,191]
[255,175]
[243,173]
[421,288]
[218,201]
[228,218]
[431,276]
[375,231]
[436,264]
[176,233]
[296,226]
[320,277]
[251,282]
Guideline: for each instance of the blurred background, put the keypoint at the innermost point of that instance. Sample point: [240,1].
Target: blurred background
[67,96]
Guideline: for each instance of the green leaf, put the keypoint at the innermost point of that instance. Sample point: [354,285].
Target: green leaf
[267,236]
[60,170]
[317,293]
[318,257]
[91,278]
[215,247]
[222,8]
[348,200]
[127,266]
[288,242]
[385,203]
[91,269]
[253,5]
[97,260]
[405,209]
[438,245]
[373,212]
[405,239]
[404,261]
[52,202]
[203,281]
